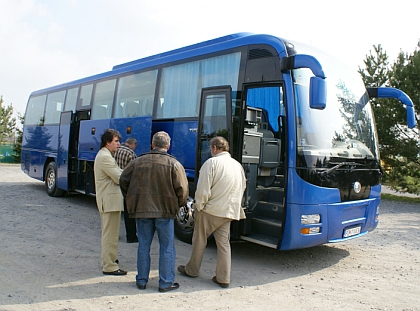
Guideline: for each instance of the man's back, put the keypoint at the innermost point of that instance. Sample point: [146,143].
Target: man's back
[155,185]
[221,186]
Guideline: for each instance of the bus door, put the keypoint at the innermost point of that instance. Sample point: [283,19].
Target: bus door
[63,150]
[77,170]
[215,119]
[262,158]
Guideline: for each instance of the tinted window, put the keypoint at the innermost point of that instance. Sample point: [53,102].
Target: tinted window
[181,85]
[85,95]
[35,110]
[71,99]
[103,99]
[135,95]
[55,104]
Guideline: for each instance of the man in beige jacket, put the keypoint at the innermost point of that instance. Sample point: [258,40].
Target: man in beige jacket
[109,200]
[218,201]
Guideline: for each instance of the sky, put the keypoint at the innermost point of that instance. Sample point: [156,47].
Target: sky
[48,42]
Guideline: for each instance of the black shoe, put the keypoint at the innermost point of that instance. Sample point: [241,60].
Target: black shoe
[222,285]
[116,272]
[135,240]
[168,289]
[142,287]
[181,269]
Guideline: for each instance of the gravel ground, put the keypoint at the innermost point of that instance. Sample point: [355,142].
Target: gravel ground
[50,260]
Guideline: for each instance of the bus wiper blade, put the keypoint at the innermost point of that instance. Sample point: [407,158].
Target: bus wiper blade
[324,173]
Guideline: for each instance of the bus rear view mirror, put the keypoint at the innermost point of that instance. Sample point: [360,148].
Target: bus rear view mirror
[318,93]
[411,119]
[390,92]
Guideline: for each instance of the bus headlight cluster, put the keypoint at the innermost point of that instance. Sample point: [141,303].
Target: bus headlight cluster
[310,219]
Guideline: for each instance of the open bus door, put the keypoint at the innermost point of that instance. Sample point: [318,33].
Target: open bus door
[63,150]
[215,119]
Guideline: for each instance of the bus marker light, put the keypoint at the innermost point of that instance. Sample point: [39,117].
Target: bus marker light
[128,129]
[304,230]
[311,230]
[310,219]
[93,131]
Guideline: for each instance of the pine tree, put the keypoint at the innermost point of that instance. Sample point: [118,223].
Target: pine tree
[7,122]
[17,147]
[399,146]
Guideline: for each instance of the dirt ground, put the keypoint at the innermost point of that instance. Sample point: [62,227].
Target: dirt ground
[50,260]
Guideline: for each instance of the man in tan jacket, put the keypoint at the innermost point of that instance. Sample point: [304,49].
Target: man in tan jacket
[218,201]
[109,200]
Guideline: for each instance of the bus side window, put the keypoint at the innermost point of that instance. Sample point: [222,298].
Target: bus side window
[85,96]
[135,94]
[35,110]
[55,104]
[103,99]
[71,99]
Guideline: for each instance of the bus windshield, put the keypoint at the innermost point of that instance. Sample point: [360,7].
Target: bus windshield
[345,129]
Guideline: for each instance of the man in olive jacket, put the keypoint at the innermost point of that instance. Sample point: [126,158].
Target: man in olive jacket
[155,186]
[109,200]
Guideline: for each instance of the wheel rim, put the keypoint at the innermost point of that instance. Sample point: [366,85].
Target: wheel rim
[185,216]
[51,179]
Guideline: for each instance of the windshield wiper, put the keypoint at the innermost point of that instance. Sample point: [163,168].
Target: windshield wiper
[352,164]
[326,172]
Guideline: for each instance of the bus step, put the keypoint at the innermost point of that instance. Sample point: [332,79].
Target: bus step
[266,226]
[272,210]
[273,194]
[261,239]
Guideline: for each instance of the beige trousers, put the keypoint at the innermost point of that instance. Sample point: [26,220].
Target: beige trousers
[110,225]
[204,225]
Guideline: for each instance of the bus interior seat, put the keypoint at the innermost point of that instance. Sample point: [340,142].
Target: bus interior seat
[269,160]
[99,113]
[55,117]
[132,109]
[148,107]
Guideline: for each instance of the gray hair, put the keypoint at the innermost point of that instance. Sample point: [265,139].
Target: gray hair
[220,143]
[161,140]
[131,140]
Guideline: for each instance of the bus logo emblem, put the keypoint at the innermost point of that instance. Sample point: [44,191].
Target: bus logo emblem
[357,186]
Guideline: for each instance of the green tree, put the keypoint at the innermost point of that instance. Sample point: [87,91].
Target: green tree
[399,146]
[7,122]
[17,148]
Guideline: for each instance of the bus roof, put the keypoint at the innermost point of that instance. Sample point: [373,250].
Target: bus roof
[198,49]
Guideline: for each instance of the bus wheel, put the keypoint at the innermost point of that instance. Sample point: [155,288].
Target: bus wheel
[184,222]
[51,181]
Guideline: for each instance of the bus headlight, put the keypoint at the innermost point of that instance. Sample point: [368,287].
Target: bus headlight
[310,219]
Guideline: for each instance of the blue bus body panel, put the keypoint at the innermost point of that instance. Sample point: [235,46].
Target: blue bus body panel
[183,141]
[92,130]
[38,144]
[335,217]
[215,45]
[63,151]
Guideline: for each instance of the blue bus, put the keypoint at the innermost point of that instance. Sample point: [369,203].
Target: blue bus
[311,157]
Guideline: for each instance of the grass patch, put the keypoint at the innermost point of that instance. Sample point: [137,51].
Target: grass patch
[393,197]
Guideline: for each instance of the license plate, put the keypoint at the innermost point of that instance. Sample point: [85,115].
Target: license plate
[351,231]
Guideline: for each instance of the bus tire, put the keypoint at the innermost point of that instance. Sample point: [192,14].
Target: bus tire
[184,222]
[51,181]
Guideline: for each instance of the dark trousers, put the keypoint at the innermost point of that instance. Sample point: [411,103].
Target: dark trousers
[130,225]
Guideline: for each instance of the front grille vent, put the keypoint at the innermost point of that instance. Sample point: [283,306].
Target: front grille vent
[259,53]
